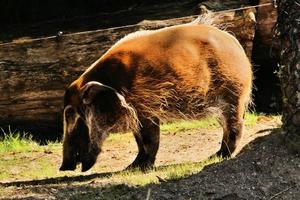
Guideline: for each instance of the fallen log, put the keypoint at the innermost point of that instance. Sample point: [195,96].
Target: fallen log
[34,73]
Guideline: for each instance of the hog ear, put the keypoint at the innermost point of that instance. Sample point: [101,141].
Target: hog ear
[93,88]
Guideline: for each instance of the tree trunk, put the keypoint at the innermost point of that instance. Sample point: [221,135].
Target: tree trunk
[288,31]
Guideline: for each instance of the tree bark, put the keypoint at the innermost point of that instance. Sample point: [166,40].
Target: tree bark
[288,31]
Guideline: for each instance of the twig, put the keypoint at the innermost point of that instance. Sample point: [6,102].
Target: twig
[148,194]
[161,179]
[281,192]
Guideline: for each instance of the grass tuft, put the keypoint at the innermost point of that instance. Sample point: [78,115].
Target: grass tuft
[251,119]
[189,125]
[13,141]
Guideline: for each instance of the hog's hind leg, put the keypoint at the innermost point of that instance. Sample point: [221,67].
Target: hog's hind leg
[233,126]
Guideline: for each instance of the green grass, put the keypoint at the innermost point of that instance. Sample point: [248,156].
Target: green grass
[208,123]
[21,157]
[189,125]
[251,119]
[172,127]
[20,166]
[165,173]
[16,142]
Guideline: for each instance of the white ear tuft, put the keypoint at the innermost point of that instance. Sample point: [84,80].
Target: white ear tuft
[91,89]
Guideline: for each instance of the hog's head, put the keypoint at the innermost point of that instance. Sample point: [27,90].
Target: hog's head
[90,113]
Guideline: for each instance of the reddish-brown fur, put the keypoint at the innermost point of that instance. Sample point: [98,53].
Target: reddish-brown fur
[177,72]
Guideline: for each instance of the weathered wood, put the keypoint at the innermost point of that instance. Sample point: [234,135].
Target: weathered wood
[35,73]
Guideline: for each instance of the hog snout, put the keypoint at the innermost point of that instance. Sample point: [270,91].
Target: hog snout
[89,158]
[69,164]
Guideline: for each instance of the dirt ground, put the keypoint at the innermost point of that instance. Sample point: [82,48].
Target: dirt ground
[264,169]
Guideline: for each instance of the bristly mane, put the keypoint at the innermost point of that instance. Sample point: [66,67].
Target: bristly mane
[206,18]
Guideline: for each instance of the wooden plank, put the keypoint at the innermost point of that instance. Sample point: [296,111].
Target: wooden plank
[35,73]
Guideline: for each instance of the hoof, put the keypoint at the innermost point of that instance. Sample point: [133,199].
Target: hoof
[224,153]
[144,166]
[67,167]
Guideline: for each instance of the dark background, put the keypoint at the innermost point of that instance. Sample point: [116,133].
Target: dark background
[36,18]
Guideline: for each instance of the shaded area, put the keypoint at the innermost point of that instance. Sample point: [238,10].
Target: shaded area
[57,180]
[263,170]
[265,55]
[266,92]
[34,18]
